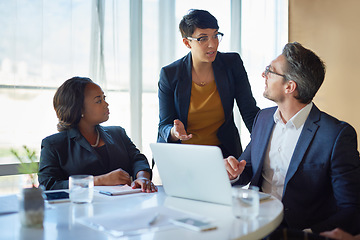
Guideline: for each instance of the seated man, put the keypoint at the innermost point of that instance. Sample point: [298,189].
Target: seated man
[299,154]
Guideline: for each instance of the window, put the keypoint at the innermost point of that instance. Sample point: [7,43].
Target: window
[45,42]
[264,34]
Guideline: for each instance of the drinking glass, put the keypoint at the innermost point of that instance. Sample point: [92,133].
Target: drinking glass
[245,202]
[81,188]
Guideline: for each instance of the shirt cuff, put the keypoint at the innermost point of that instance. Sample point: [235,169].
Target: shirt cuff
[235,180]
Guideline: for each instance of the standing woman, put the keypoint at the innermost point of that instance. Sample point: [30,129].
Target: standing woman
[82,146]
[197,92]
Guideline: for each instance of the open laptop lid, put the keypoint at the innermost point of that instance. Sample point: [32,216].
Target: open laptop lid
[192,171]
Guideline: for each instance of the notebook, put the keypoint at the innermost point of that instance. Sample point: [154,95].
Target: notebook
[192,171]
[117,190]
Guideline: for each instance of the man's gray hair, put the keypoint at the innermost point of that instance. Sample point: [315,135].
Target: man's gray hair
[305,68]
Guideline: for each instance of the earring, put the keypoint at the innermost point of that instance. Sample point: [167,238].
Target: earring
[82,115]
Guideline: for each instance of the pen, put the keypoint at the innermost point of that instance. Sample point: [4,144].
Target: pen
[106,193]
[154,219]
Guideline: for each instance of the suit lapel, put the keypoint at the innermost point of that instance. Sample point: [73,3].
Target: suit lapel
[79,139]
[306,136]
[266,126]
[105,135]
[110,147]
[222,81]
[183,91]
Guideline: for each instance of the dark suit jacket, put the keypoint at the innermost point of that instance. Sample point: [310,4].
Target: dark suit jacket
[232,83]
[322,184]
[68,153]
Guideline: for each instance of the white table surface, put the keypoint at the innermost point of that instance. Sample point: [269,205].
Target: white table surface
[61,219]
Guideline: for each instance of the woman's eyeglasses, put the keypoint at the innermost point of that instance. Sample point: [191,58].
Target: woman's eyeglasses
[205,39]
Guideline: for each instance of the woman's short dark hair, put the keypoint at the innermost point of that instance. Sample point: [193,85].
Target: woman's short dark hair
[305,68]
[68,102]
[196,19]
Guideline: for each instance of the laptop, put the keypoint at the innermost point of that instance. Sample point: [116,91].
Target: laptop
[194,172]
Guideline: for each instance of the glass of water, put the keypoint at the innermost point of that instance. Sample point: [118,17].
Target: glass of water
[81,188]
[245,201]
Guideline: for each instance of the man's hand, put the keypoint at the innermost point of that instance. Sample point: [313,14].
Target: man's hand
[178,131]
[233,167]
[337,233]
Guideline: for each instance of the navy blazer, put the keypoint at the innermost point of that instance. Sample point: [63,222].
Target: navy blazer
[232,83]
[69,153]
[322,184]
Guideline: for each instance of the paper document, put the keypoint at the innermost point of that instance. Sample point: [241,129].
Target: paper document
[135,222]
[117,190]
[9,204]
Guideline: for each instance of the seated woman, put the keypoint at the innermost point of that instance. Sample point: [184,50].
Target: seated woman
[82,146]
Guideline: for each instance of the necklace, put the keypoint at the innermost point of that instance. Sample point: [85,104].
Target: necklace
[97,139]
[205,80]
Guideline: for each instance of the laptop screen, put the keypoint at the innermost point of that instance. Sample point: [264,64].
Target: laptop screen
[192,171]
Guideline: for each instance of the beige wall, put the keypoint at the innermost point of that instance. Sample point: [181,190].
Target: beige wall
[331,28]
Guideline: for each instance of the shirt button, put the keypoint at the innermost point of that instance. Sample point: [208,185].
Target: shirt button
[279,149]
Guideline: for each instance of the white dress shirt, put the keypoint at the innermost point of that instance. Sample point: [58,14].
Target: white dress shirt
[280,150]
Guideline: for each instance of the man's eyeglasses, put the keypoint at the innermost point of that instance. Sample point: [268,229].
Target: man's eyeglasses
[267,71]
[205,39]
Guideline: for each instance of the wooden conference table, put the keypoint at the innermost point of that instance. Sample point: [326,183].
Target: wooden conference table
[66,220]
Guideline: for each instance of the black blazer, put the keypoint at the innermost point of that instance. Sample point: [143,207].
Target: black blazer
[68,153]
[232,83]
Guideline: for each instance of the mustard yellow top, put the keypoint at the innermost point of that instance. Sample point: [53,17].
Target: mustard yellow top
[206,115]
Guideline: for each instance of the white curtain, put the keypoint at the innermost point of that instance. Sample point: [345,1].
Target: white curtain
[97,65]
[259,32]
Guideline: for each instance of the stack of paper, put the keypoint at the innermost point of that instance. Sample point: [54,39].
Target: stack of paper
[9,204]
[134,222]
[117,190]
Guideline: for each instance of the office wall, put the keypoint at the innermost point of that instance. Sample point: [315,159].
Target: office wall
[331,29]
